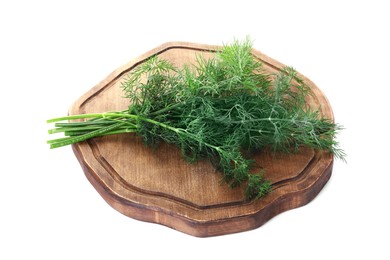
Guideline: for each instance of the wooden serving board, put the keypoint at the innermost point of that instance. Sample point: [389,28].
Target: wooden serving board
[157,185]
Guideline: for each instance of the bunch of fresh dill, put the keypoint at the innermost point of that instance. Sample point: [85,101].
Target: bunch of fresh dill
[217,109]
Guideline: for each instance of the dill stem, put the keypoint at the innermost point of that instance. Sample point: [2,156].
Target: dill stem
[77,131]
[69,128]
[79,138]
[92,115]
[84,123]
[166,109]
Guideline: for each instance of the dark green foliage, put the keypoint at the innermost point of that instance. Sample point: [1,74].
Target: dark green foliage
[215,109]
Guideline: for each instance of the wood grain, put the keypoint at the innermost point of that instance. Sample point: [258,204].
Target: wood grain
[157,185]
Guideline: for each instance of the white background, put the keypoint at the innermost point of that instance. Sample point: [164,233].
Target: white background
[51,52]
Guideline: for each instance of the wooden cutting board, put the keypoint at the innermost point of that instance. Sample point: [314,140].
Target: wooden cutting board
[157,185]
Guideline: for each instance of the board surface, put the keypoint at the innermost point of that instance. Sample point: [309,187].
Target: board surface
[157,185]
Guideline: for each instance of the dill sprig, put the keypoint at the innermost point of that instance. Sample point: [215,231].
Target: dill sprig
[217,109]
